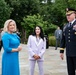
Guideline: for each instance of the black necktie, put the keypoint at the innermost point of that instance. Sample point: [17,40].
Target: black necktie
[69,24]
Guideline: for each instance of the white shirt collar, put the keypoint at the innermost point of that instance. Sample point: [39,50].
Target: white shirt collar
[73,21]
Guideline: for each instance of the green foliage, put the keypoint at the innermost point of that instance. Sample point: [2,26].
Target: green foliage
[52,12]
[50,29]
[55,12]
[52,41]
[22,8]
[31,21]
[70,3]
[5,12]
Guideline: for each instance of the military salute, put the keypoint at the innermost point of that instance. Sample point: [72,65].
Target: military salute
[69,41]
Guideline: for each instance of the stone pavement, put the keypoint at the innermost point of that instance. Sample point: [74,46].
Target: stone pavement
[53,65]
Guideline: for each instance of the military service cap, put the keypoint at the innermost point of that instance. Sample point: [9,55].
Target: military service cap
[70,11]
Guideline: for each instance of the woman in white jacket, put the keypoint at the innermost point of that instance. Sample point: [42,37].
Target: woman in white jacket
[37,46]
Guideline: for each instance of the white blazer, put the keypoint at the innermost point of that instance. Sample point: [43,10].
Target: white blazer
[35,47]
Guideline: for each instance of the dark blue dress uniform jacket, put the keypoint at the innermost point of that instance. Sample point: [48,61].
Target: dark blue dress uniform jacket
[69,40]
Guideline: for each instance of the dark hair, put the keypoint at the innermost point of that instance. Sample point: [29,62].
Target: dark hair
[41,32]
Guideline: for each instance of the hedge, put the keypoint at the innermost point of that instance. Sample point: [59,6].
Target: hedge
[52,40]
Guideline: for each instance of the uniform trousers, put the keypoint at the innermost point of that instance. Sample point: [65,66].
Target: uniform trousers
[58,41]
[32,66]
[71,65]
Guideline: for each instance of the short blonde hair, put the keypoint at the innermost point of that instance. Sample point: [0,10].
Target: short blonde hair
[5,29]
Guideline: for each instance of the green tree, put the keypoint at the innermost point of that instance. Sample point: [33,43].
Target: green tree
[70,3]
[54,12]
[59,10]
[31,21]
[5,12]
[23,8]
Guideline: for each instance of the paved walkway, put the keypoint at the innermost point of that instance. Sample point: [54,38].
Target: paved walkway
[53,65]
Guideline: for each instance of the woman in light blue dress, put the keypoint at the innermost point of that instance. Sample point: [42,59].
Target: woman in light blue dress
[11,46]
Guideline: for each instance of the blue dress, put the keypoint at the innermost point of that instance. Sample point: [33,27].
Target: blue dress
[10,60]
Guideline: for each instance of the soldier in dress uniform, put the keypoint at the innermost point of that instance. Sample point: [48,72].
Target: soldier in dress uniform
[69,41]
